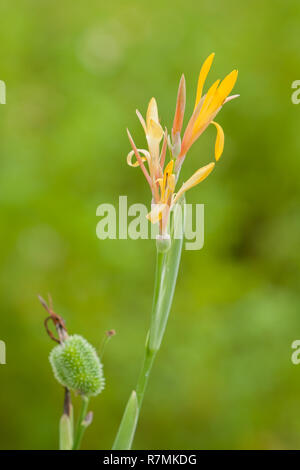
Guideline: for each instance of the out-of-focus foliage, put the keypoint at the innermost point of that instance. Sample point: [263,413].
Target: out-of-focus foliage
[75,72]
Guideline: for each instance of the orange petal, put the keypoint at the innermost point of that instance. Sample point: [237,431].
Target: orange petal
[180,107]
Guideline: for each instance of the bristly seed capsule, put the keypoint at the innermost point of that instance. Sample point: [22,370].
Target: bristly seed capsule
[76,365]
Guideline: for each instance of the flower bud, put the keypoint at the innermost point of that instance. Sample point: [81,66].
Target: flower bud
[163,243]
[76,365]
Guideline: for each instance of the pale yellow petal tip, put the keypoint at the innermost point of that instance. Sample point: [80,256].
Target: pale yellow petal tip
[152,102]
[152,112]
[155,130]
[145,157]
[152,108]
[231,97]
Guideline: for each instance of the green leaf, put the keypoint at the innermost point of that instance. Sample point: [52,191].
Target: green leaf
[128,424]
[65,432]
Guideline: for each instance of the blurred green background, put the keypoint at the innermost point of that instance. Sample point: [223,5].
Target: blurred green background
[75,72]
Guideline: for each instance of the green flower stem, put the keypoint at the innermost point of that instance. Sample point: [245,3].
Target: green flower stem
[81,425]
[167,265]
[144,375]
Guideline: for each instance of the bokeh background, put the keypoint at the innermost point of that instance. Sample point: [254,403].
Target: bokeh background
[75,72]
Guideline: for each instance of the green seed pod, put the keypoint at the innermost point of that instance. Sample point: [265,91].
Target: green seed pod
[77,366]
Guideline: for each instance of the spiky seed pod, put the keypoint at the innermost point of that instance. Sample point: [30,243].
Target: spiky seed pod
[76,365]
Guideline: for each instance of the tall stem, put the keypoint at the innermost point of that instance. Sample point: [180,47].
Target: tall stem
[167,265]
[150,354]
[144,375]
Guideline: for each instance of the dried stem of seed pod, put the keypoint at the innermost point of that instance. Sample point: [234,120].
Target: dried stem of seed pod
[67,402]
[57,320]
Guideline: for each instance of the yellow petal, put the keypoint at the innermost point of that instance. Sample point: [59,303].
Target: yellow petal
[202,76]
[203,115]
[152,112]
[139,159]
[171,186]
[155,131]
[136,163]
[195,179]
[219,144]
[226,86]
[167,173]
[169,168]
[156,213]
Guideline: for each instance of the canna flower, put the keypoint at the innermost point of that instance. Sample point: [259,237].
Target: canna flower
[162,179]
[205,110]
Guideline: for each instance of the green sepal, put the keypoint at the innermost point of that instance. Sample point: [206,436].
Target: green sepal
[66,432]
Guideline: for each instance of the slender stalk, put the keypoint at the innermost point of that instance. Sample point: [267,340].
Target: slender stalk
[150,354]
[144,375]
[81,425]
[167,265]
